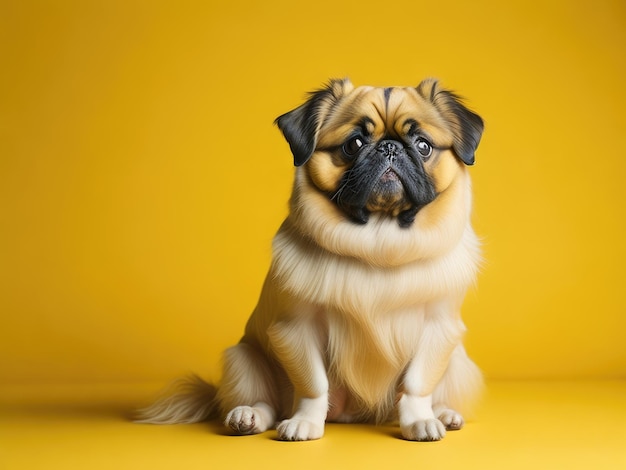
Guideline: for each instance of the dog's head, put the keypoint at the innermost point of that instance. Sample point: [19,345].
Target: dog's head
[389,150]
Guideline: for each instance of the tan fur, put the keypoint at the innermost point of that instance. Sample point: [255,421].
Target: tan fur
[358,322]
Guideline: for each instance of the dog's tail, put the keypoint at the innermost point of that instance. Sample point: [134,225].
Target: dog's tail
[187,400]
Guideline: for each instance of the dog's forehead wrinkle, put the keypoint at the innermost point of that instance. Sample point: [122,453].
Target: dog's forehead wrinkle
[379,113]
[387,109]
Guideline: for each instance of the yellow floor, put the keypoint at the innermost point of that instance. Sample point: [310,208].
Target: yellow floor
[520,425]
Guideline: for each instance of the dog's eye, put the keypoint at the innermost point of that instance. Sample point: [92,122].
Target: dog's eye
[352,147]
[424,148]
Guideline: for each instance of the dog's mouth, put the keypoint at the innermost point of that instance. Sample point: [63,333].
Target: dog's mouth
[398,187]
[388,194]
[389,176]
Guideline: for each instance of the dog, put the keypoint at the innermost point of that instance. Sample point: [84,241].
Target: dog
[359,316]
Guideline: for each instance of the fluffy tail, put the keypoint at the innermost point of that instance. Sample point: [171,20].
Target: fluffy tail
[188,400]
[462,384]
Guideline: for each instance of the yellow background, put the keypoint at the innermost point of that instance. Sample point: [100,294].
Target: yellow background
[141,178]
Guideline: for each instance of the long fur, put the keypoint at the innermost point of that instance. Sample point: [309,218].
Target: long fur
[187,400]
[355,322]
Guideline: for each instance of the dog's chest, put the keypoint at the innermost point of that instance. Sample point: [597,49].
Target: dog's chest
[368,355]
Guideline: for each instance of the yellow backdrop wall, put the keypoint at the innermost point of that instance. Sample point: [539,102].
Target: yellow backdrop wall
[141,178]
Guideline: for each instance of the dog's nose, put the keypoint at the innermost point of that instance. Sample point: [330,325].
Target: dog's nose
[389,148]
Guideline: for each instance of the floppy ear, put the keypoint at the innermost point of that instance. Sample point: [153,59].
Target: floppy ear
[466,126]
[301,126]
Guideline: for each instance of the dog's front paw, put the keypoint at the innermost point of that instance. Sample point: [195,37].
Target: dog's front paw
[452,420]
[246,420]
[297,429]
[424,430]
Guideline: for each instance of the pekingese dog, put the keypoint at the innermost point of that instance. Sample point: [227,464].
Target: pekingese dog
[359,317]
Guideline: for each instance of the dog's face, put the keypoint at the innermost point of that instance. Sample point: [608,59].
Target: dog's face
[388,150]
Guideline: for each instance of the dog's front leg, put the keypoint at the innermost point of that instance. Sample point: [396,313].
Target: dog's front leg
[442,331]
[297,345]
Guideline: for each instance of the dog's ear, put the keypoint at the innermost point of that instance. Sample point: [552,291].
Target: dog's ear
[467,126]
[301,125]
